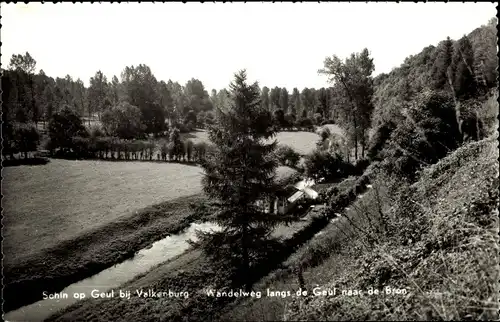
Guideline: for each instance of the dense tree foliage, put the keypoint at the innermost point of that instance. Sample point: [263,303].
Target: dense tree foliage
[324,164]
[63,126]
[353,77]
[123,121]
[429,131]
[287,156]
[465,70]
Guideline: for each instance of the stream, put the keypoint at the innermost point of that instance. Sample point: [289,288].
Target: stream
[112,277]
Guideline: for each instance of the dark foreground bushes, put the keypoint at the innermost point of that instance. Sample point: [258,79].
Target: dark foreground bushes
[28,161]
[440,248]
[429,132]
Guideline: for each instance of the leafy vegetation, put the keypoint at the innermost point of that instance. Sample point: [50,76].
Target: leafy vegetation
[445,234]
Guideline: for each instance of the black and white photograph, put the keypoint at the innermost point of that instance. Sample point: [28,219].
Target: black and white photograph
[250,161]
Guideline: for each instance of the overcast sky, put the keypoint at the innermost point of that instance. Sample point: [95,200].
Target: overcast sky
[280,44]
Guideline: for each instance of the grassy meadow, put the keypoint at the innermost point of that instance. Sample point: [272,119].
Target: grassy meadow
[301,141]
[46,205]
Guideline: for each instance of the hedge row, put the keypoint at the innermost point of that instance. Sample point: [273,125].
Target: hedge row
[119,149]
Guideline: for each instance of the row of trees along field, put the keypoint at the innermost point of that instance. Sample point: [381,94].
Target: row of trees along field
[136,105]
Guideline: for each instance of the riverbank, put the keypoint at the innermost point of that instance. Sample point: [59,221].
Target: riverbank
[95,250]
[189,272]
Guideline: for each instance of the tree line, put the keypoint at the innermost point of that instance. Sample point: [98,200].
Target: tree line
[136,105]
[68,137]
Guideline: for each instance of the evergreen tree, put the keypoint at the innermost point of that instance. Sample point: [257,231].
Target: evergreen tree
[284,100]
[238,173]
[464,82]
[440,73]
[297,106]
[265,98]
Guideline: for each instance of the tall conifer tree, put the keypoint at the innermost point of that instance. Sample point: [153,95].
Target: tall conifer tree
[239,172]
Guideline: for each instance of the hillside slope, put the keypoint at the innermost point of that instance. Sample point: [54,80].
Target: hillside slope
[440,248]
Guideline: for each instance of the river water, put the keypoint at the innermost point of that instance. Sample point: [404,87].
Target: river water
[112,277]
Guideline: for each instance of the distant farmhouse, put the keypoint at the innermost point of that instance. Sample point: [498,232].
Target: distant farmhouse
[292,191]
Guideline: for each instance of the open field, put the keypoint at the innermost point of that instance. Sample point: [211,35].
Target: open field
[46,205]
[302,142]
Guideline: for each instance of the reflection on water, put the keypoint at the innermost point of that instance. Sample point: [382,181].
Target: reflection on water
[112,277]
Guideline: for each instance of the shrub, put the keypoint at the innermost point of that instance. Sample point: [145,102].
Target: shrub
[200,151]
[96,131]
[307,123]
[325,133]
[287,156]
[378,141]
[184,128]
[318,118]
[191,118]
[472,126]
[80,146]
[488,113]
[25,137]
[63,126]
[325,122]
[279,118]
[429,132]
[359,167]
[322,164]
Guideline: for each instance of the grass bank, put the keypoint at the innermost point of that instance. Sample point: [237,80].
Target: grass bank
[440,245]
[70,261]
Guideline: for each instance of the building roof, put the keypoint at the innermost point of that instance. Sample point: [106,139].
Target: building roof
[295,196]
